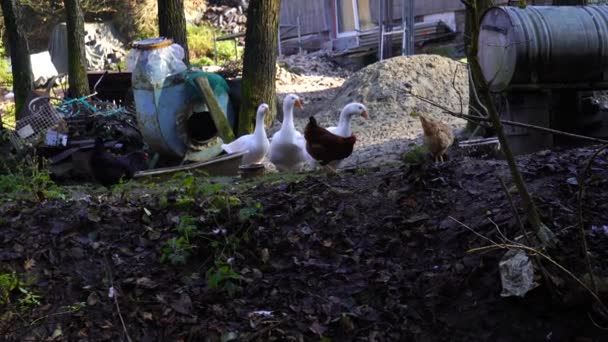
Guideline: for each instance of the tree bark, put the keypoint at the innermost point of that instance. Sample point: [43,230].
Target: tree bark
[77,60]
[543,233]
[259,61]
[473,101]
[23,82]
[172,23]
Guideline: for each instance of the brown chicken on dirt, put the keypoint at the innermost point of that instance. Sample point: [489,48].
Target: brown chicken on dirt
[325,146]
[438,137]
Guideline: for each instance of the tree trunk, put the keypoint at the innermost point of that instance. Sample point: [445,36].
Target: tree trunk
[482,5]
[172,23]
[259,61]
[77,60]
[23,82]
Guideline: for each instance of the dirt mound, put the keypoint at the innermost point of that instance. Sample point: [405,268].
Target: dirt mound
[383,86]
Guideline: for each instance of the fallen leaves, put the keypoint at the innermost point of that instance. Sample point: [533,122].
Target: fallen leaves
[315,264]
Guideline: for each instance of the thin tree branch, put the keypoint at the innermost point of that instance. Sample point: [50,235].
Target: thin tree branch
[515,213]
[478,119]
[544,234]
[581,221]
[534,251]
[461,101]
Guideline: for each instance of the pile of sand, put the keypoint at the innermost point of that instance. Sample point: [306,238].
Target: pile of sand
[383,88]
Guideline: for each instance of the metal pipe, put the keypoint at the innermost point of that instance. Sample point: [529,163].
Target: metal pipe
[299,36]
[214,48]
[279,35]
[236,50]
[382,42]
[404,21]
[380,23]
[408,13]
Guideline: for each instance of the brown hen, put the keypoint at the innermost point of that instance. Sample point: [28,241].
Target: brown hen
[325,146]
[438,137]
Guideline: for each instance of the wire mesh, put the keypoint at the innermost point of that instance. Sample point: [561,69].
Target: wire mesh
[31,130]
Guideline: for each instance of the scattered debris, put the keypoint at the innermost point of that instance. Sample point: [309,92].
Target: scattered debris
[516,273]
[229,19]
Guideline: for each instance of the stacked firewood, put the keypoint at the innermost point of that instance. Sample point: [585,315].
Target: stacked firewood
[229,19]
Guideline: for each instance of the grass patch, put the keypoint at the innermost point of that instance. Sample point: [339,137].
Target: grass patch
[200,45]
[8,116]
[6,77]
[26,182]
[415,155]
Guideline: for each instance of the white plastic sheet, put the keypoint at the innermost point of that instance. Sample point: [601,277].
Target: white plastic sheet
[157,64]
[516,274]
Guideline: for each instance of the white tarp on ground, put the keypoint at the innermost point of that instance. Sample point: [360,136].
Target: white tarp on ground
[42,68]
[101,43]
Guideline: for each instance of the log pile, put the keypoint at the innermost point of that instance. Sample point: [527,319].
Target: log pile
[228,19]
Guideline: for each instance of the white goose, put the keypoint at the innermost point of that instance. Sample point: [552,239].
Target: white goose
[256,144]
[287,146]
[343,129]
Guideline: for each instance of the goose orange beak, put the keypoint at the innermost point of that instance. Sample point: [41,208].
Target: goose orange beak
[365,115]
[298,104]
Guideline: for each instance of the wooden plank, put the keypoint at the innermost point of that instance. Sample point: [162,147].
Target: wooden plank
[314,16]
[217,114]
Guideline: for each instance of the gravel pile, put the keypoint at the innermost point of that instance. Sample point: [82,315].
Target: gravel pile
[383,87]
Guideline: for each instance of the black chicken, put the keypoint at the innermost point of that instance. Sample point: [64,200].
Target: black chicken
[108,168]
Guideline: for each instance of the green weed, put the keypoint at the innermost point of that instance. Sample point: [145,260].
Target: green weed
[415,155]
[222,276]
[252,210]
[8,116]
[10,284]
[200,46]
[177,250]
[30,183]
[6,77]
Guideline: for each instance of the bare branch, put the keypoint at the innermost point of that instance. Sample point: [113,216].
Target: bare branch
[581,221]
[456,89]
[478,120]
[515,213]
[534,251]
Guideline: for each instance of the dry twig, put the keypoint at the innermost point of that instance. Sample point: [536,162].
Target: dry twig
[533,252]
[115,297]
[479,119]
[581,222]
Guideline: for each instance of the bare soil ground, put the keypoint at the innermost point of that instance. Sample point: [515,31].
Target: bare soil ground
[368,256]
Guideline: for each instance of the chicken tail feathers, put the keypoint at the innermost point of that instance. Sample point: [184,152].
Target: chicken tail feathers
[312,121]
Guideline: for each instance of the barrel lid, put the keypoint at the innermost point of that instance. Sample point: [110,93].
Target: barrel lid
[152,43]
[497,49]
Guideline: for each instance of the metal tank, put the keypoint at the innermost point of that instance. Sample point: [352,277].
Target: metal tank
[544,47]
